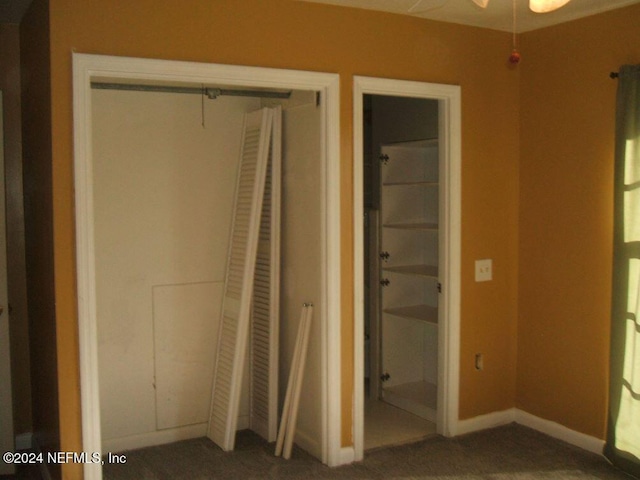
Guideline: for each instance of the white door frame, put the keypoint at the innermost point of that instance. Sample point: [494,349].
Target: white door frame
[449,113]
[92,67]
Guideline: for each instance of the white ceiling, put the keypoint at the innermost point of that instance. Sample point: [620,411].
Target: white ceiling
[497,16]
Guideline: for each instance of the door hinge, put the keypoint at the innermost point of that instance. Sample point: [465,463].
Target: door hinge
[439,287]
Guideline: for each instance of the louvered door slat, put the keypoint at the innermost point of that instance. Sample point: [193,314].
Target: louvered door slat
[232,340]
[265,314]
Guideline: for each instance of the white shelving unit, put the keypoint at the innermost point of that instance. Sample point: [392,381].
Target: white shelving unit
[409,275]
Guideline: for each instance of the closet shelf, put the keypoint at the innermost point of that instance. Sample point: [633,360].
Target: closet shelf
[423,393]
[409,183]
[425,313]
[412,226]
[421,270]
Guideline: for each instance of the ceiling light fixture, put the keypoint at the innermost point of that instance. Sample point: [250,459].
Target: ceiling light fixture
[544,6]
[538,6]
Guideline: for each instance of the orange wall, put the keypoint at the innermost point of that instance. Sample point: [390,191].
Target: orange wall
[288,34]
[566,202]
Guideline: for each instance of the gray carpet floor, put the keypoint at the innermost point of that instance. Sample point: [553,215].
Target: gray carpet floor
[509,452]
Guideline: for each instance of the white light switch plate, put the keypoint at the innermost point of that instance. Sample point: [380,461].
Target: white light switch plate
[484,270]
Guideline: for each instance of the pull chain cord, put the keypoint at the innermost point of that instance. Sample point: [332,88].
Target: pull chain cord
[514,58]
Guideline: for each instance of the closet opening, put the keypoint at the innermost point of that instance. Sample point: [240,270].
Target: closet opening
[156,172]
[165,168]
[406,222]
[401,260]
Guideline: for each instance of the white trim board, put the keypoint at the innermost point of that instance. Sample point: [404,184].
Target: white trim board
[163,436]
[90,67]
[158,437]
[555,430]
[449,101]
[489,420]
[306,441]
[548,427]
[347,455]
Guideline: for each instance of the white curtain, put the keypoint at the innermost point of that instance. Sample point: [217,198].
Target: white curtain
[623,437]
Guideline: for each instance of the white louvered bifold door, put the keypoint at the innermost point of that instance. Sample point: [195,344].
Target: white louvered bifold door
[238,289]
[266,293]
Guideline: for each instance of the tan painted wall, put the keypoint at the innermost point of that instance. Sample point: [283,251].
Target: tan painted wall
[566,206]
[16,269]
[282,33]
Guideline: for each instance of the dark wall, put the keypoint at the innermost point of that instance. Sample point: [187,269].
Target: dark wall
[37,155]
[16,270]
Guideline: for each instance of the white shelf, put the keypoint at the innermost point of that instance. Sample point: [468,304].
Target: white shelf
[410,183]
[412,226]
[421,270]
[424,143]
[408,229]
[419,398]
[425,313]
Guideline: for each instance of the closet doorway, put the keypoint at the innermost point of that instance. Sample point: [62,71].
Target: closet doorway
[135,389]
[407,249]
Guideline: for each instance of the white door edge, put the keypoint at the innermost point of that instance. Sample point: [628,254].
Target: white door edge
[88,67]
[449,99]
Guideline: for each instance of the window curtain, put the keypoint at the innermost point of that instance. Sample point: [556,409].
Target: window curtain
[623,431]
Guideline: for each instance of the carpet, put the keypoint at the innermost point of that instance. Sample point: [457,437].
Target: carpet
[509,452]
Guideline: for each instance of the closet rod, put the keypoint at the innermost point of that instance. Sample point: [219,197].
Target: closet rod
[210,92]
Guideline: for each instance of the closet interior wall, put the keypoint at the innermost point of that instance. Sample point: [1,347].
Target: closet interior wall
[165,169]
[387,120]
[301,235]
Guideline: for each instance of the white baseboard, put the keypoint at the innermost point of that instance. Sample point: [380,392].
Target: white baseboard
[347,455]
[553,429]
[308,443]
[482,422]
[24,441]
[243,422]
[159,437]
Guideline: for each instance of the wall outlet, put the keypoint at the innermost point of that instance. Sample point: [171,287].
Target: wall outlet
[484,270]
